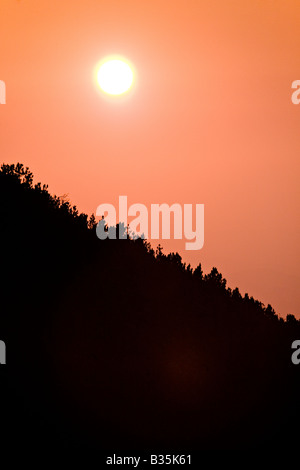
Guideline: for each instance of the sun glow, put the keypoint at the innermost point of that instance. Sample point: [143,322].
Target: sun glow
[115,76]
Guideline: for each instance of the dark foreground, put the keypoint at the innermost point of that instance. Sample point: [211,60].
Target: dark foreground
[115,349]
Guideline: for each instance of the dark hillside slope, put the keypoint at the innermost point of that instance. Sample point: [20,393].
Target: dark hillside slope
[111,345]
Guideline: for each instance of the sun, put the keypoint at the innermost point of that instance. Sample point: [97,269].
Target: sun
[115,76]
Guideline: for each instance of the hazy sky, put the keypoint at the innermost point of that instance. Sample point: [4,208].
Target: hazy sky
[210,120]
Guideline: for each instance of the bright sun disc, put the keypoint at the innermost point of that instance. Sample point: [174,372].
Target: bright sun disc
[115,77]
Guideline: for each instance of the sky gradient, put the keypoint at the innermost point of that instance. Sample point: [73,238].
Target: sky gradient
[210,120]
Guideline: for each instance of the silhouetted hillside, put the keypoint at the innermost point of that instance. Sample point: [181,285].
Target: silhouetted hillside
[112,345]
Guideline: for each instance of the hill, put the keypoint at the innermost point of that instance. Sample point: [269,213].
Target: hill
[112,345]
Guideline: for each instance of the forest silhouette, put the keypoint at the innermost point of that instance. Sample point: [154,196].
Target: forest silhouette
[114,345]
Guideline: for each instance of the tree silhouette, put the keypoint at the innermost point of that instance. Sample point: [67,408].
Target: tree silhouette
[119,343]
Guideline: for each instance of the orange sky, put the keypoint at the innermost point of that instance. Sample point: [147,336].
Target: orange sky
[211,120]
